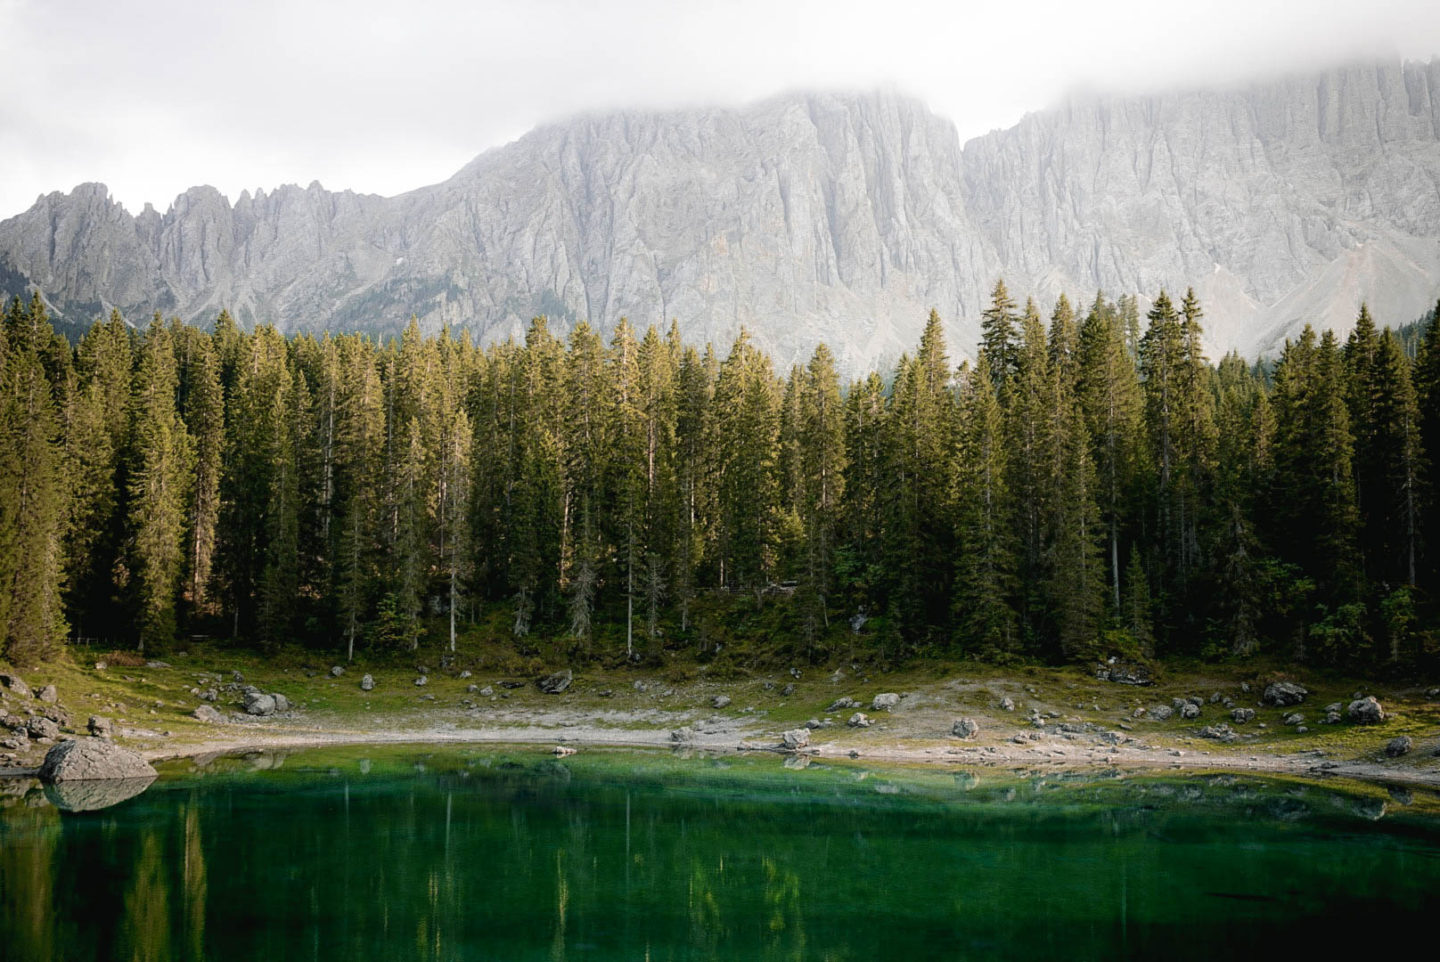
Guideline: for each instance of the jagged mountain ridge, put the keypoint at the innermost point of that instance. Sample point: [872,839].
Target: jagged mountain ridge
[814,217]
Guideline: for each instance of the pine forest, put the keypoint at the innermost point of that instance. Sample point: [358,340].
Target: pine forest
[1091,487]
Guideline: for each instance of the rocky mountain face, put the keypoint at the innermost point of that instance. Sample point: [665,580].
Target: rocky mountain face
[818,217]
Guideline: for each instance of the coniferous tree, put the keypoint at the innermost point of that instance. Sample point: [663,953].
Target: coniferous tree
[999,339]
[32,494]
[160,482]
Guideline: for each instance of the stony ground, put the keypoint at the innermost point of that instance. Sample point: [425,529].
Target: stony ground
[1032,717]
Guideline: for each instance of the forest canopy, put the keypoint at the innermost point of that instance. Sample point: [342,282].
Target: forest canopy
[1092,486]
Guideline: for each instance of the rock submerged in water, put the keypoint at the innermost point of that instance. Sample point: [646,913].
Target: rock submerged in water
[884,701]
[1366,711]
[92,758]
[1283,694]
[556,683]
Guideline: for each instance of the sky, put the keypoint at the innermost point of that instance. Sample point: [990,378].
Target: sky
[153,96]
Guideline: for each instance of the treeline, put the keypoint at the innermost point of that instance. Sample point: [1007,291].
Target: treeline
[1091,486]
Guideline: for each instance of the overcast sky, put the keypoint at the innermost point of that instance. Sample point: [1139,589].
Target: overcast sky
[153,96]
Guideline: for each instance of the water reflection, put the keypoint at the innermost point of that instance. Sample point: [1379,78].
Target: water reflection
[511,857]
[91,795]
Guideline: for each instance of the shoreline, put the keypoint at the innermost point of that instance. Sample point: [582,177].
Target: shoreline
[904,751]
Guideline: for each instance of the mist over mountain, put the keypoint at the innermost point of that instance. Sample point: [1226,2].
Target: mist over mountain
[809,217]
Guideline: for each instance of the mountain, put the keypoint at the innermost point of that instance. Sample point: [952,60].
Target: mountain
[811,217]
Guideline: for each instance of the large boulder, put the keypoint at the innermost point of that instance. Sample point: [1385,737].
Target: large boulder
[100,726]
[1161,712]
[1282,694]
[367,683]
[49,694]
[92,758]
[884,701]
[15,683]
[795,739]
[41,727]
[965,728]
[556,683]
[206,713]
[1366,711]
[1189,710]
[720,701]
[859,720]
[1399,746]
[1241,716]
[259,703]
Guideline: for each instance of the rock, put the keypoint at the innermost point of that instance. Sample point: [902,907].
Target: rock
[965,728]
[1007,703]
[15,683]
[336,671]
[787,691]
[683,736]
[859,720]
[1366,711]
[487,691]
[206,713]
[210,694]
[842,704]
[281,702]
[1161,712]
[367,683]
[1221,732]
[422,680]
[885,701]
[556,683]
[472,689]
[1282,694]
[512,685]
[795,739]
[1242,715]
[236,677]
[464,674]
[1334,706]
[1331,718]
[1189,711]
[48,694]
[92,758]
[258,703]
[1216,698]
[1125,673]
[1295,718]
[1301,729]
[560,751]
[814,724]
[100,726]
[41,727]
[640,686]
[1396,747]
[720,701]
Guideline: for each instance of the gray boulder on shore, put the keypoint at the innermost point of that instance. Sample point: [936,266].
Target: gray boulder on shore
[795,739]
[556,683]
[1282,694]
[1366,711]
[965,728]
[884,701]
[92,758]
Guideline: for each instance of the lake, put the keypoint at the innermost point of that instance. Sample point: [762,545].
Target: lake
[505,853]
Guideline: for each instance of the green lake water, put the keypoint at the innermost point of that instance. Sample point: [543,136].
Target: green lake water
[483,853]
